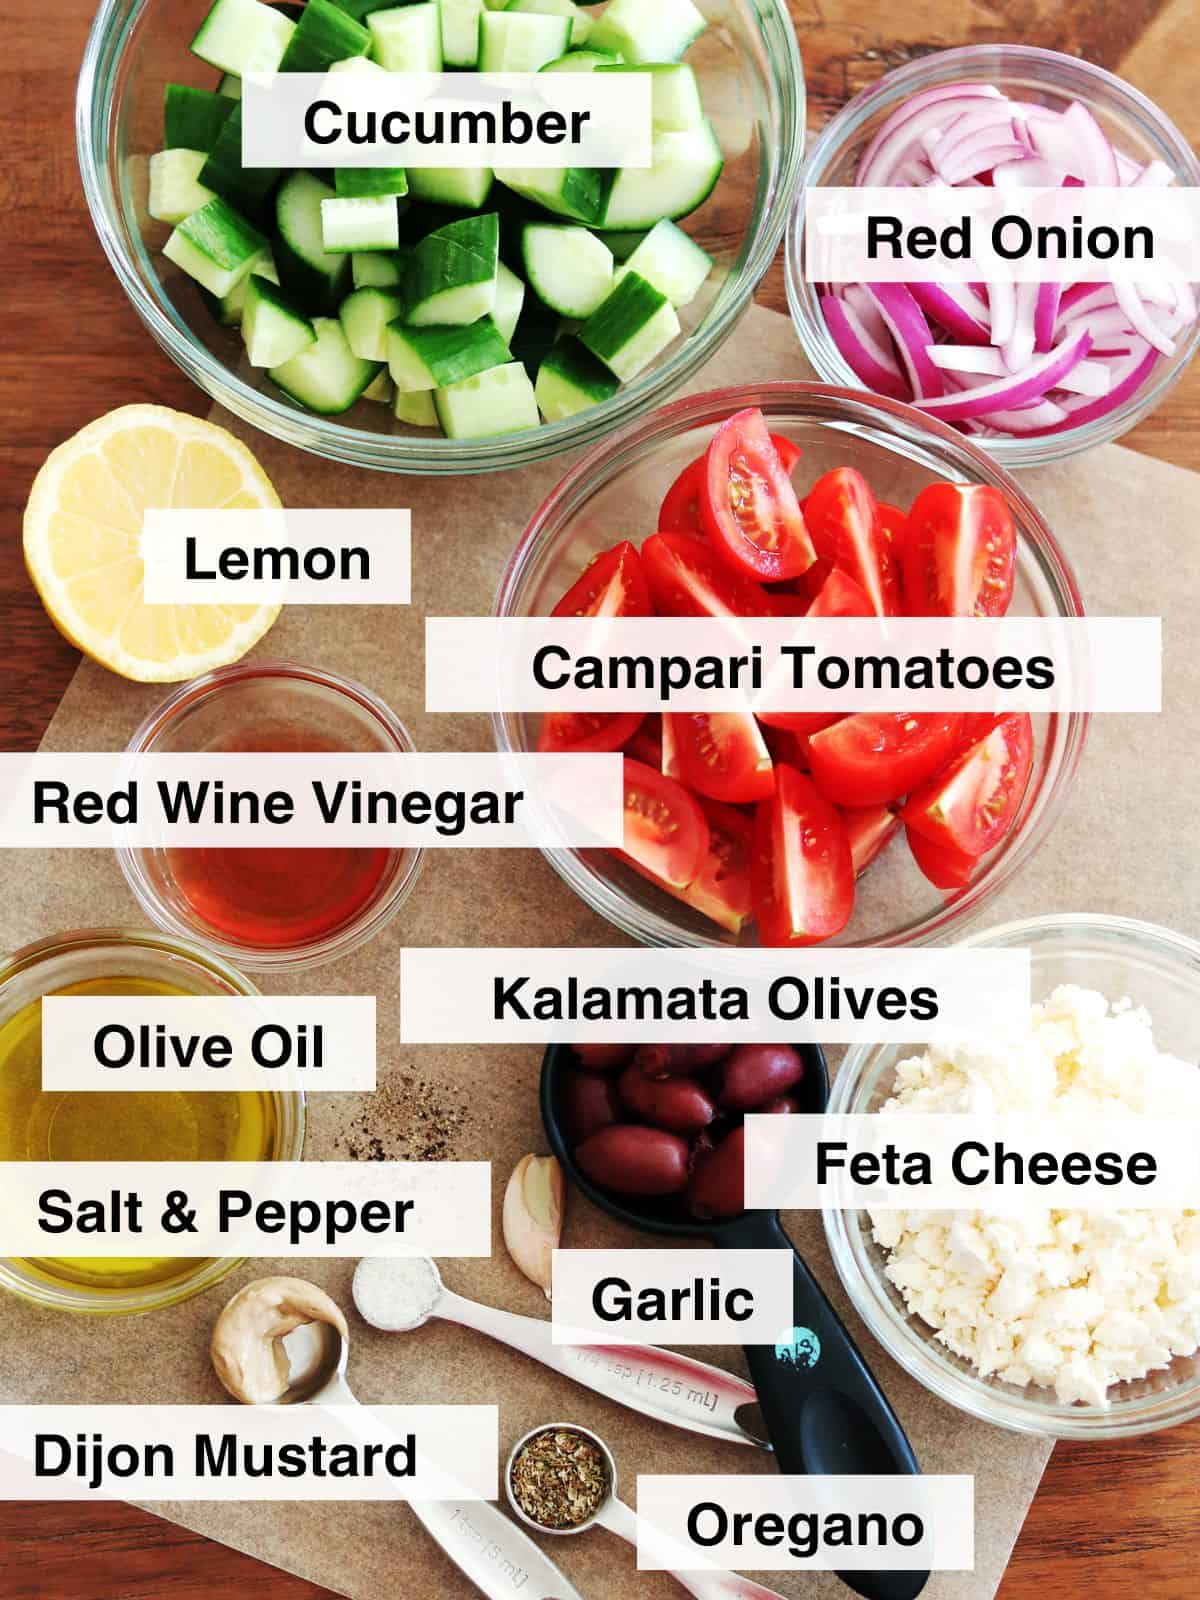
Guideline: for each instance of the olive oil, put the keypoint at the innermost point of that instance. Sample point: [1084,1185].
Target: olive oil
[116,1127]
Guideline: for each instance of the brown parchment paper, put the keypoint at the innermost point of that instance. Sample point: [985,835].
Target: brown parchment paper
[1125,845]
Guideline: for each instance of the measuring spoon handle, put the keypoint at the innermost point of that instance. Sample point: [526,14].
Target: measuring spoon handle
[658,1383]
[622,1520]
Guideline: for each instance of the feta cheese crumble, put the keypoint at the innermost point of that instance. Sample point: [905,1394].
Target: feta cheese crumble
[1072,1300]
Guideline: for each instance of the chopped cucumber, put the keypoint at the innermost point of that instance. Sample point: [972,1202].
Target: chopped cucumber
[229,307]
[622,245]
[360,65]
[510,297]
[316,276]
[365,316]
[216,246]
[635,324]
[369,223]
[370,270]
[581,193]
[674,95]
[641,32]
[230,86]
[581,23]
[175,187]
[495,402]
[324,34]
[272,329]
[192,118]
[514,42]
[567,267]
[431,358]
[582,61]
[356,183]
[571,380]
[538,330]
[416,408]
[360,10]
[223,172]
[673,263]
[327,376]
[464,188]
[407,38]
[381,389]
[451,277]
[684,172]
[242,36]
[460,31]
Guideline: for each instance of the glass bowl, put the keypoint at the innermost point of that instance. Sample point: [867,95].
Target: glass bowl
[276,1132]
[1154,968]
[750,74]
[1135,126]
[205,715]
[615,492]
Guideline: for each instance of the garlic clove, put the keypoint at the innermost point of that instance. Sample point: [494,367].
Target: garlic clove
[532,1217]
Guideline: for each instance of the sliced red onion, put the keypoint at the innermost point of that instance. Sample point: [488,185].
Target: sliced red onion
[972,158]
[956,308]
[1125,386]
[1019,346]
[1002,299]
[1045,314]
[1095,151]
[1027,419]
[969,358]
[1140,319]
[1029,173]
[1154,175]
[919,106]
[1006,394]
[859,351]
[912,335]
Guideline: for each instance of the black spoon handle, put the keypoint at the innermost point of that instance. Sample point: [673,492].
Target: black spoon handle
[823,1409]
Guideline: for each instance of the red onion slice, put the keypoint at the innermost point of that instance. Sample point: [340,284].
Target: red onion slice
[912,336]
[859,352]
[956,308]
[1006,394]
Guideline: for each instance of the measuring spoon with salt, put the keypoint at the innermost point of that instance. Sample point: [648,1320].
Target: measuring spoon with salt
[401,1294]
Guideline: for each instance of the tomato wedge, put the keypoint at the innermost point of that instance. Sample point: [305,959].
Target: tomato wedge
[687,580]
[972,803]
[612,585]
[782,603]
[721,754]
[840,596]
[581,731]
[721,892]
[748,505]
[959,555]
[876,756]
[669,762]
[647,744]
[801,875]
[843,522]
[868,828]
[893,530]
[800,721]
[945,868]
[666,833]
[680,510]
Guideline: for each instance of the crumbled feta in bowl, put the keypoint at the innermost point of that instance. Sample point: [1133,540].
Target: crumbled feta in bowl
[1066,1322]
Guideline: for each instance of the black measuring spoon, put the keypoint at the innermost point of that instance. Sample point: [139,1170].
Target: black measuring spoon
[823,1409]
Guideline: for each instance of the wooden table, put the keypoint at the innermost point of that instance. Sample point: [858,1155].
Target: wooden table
[1106,1519]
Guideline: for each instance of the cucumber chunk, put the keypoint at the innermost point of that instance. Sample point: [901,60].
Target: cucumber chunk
[571,380]
[510,297]
[567,267]
[643,32]
[359,183]
[360,10]
[460,31]
[635,324]
[373,270]
[407,38]
[538,330]
[431,358]
[192,118]
[175,187]
[673,263]
[581,193]
[365,317]
[272,329]
[495,402]
[622,245]
[451,277]
[381,389]
[242,36]
[685,168]
[316,276]
[229,307]
[581,23]
[359,65]
[324,34]
[368,223]
[582,61]
[216,246]
[230,86]
[515,42]
[327,376]
[463,188]
[223,172]
[674,95]
[416,408]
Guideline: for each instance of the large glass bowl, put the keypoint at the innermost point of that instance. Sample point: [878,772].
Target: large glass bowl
[615,492]
[1121,958]
[752,80]
[1133,123]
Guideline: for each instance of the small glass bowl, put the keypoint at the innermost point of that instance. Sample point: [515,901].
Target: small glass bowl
[68,958]
[750,74]
[200,716]
[1135,125]
[615,493]
[1121,958]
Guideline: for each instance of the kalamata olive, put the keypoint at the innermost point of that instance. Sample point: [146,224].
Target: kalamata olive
[783,1105]
[635,1160]
[756,1073]
[717,1184]
[677,1104]
[679,1060]
[590,1102]
[602,1057]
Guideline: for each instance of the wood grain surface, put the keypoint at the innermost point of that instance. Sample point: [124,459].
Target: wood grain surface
[1108,1519]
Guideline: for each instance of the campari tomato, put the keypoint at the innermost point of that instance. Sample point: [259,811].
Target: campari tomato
[687,580]
[959,553]
[721,754]
[843,523]
[750,511]
[580,732]
[666,833]
[971,804]
[945,867]
[721,891]
[877,756]
[647,745]
[680,510]
[840,596]
[802,874]
[613,585]
[869,829]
